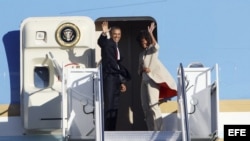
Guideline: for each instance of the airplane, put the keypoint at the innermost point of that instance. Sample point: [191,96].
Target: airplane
[37,105]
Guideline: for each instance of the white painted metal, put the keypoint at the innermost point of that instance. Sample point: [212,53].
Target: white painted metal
[202,101]
[41,106]
[143,136]
[82,87]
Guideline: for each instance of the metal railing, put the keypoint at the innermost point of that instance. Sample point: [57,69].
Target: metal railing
[182,101]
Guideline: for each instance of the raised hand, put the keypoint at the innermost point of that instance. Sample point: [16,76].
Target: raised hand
[105,27]
[151,27]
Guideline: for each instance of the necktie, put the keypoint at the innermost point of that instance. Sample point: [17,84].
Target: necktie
[117,52]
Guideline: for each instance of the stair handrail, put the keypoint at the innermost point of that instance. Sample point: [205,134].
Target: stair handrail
[183,99]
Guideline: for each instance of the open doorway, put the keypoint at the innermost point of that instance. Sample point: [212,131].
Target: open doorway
[130,114]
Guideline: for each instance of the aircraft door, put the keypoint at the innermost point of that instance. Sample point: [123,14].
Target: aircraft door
[47,43]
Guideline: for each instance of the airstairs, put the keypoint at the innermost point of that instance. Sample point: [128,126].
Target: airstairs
[83,110]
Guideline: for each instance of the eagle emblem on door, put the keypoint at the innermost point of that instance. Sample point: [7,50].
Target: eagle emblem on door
[67,35]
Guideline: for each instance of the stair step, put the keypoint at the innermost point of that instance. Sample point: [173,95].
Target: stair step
[142,136]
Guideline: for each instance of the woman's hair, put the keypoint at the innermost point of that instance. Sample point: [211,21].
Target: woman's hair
[144,35]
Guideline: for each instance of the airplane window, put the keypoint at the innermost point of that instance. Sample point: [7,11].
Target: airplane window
[41,77]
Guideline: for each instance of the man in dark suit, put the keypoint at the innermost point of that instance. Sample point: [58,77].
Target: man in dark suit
[114,74]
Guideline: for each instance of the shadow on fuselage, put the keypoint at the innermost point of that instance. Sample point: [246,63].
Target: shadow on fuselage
[11,41]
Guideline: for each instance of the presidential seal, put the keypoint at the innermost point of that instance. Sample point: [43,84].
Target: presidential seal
[67,35]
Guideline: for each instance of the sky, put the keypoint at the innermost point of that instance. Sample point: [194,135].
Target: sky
[207,31]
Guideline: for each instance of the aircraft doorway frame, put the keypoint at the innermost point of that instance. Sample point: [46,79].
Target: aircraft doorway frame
[130,114]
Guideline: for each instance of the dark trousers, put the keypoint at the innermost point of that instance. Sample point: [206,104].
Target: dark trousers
[111,90]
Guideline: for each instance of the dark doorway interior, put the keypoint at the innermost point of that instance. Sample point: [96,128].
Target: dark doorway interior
[130,116]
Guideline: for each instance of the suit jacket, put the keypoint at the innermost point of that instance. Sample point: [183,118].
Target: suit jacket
[159,74]
[110,64]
